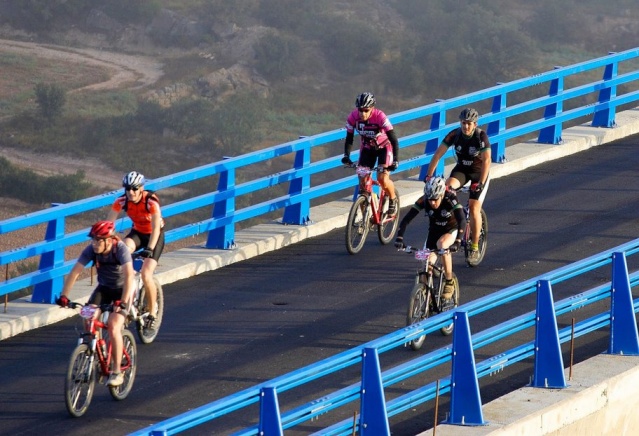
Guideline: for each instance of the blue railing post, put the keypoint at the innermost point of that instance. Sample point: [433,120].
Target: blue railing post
[373,419]
[298,213]
[498,149]
[549,364]
[606,117]
[437,121]
[623,327]
[45,292]
[223,237]
[552,134]
[465,401]
[270,418]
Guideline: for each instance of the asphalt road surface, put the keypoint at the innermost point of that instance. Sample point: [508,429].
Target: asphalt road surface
[244,324]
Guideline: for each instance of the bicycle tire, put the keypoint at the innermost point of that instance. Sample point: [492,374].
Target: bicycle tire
[446,331]
[418,310]
[388,226]
[483,241]
[148,335]
[129,367]
[79,384]
[357,225]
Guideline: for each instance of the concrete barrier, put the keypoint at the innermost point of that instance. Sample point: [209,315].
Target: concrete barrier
[601,399]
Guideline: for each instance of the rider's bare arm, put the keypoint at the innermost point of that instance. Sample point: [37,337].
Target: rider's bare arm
[441,150]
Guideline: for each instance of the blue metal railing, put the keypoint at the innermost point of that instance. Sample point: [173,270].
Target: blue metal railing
[548,366]
[502,125]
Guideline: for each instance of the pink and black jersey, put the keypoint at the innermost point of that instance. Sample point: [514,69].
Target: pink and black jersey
[372,131]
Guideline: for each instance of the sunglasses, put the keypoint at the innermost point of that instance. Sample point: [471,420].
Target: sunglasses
[131,188]
[365,110]
[97,241]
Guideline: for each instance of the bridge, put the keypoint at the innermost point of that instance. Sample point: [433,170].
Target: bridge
[305,217]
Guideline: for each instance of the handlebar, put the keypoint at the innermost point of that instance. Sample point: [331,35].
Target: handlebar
[362,171]
[423,253]
[87,310]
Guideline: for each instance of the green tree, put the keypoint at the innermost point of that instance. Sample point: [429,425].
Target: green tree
[235,127]
[278,56]
[51,99]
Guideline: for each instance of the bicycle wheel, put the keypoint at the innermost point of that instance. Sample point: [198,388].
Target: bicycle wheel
[145,334]
[387,228]
[483,241]
[128,366]
[80,381]
[357,225]
[446,331]
[418,309]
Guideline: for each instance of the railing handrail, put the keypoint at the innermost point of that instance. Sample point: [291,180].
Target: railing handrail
[296,202]
[425,362]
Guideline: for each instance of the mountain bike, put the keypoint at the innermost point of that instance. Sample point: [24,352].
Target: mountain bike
[369,212]
[426,297]
[467,238]
[91,361]
[139,311]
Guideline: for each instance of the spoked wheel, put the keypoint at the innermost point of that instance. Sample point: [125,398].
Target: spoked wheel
[80,382]
[386,230]
[128,366]
[357,225]
[418,309]
[148,335]
[449,305]
[483,241]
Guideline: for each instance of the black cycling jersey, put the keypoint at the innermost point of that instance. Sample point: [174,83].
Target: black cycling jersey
[468,150]
[449,216]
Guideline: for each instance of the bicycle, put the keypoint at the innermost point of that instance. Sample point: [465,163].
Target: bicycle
[91,361]
[370,212]
[426,296]
[467,238]
[139,311]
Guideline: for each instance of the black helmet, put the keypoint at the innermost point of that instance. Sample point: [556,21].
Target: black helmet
[365,100]
[469,114]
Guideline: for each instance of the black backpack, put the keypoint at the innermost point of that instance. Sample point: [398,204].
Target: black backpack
[149,195]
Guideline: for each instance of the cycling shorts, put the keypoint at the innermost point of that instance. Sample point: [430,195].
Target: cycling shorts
[141,240]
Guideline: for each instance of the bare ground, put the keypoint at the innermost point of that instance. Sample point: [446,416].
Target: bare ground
[124,71]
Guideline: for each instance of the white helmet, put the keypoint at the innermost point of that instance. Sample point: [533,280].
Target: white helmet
[133,180]
[435,188]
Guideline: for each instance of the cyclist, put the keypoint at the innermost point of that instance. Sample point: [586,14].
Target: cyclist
[447,223]
[113,263]
[472,149]
[143,208]
[378,143]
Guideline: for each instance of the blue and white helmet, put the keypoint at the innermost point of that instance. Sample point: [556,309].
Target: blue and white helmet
[133,180]
[435,188]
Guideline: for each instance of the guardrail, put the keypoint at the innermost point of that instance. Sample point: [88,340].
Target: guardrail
[544,114]
[462,384]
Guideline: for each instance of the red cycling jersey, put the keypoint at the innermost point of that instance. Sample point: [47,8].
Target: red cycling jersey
[138,212]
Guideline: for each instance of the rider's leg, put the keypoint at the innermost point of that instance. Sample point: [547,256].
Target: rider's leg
[387,184]
[130,243]
[147,271]
[447,260]
[116,324]
[453,183]
[475,203]
[475,220]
